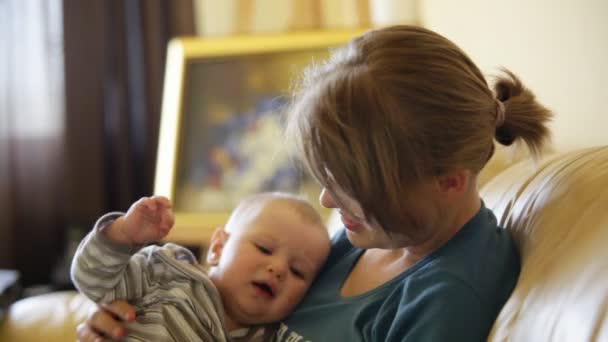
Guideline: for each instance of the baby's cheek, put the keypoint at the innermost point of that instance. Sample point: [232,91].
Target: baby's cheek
[290,299]
[296,295]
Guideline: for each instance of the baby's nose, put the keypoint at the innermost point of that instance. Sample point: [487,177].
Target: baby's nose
[277,269]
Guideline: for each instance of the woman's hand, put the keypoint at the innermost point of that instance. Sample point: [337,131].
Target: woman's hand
[106,322]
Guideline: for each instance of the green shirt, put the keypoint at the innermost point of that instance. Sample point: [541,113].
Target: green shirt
[454,294]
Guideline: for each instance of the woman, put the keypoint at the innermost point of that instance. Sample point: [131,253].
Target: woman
[396,126]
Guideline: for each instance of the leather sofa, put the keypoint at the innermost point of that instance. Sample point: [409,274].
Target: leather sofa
[557,210]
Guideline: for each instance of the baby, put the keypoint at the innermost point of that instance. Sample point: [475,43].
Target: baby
[259,267]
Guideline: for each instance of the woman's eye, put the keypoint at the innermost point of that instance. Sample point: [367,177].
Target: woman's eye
[263,249]
[297,273]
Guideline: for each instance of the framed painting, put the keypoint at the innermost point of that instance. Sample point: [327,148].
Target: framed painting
[220,136]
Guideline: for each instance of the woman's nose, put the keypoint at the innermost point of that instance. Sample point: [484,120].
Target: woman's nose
[326,200]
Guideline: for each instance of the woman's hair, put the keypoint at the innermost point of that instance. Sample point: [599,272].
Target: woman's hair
[398,105]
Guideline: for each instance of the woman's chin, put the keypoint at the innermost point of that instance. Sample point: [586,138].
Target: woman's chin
[352,225]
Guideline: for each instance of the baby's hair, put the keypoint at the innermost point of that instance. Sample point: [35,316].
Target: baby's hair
[298,204]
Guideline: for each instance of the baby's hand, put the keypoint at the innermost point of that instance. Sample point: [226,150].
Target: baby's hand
[149,219]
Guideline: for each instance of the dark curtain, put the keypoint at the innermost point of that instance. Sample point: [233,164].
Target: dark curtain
[103,157]
[32,186]
[115,55]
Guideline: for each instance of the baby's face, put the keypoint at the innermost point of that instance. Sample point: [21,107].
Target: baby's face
[266,267]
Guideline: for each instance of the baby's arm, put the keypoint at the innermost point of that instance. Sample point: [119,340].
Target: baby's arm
[148,220]
[109,264]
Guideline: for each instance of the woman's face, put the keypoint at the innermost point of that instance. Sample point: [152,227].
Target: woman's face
[367,234]
[360,232]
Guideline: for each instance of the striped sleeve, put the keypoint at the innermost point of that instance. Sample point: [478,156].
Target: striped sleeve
[104,270]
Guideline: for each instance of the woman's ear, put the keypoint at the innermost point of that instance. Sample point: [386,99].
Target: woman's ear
[218,240]
[454,184]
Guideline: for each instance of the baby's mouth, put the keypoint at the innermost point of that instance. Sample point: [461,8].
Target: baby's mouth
[264,288]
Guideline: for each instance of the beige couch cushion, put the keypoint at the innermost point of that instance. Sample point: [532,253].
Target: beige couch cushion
[502,158]
[557,211]
[50,318]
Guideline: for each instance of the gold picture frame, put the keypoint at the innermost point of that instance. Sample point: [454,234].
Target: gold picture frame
[210,85]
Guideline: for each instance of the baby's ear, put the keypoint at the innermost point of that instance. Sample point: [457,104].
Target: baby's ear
[218,240]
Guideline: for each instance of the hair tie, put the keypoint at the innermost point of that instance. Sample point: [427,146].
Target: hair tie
[500,113]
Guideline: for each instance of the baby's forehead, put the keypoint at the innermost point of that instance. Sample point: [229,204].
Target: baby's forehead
[288,209]
[280,221]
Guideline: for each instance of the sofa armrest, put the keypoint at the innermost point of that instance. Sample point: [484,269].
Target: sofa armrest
[556,210]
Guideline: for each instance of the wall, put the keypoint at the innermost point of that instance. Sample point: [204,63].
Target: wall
[558,47]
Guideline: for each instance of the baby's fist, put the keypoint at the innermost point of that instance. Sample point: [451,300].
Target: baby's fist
[149,219]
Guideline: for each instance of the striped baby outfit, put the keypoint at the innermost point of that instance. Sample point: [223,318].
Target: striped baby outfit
[174,297]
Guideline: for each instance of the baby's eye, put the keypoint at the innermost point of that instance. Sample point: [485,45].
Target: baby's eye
[263,249]
[297,272]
